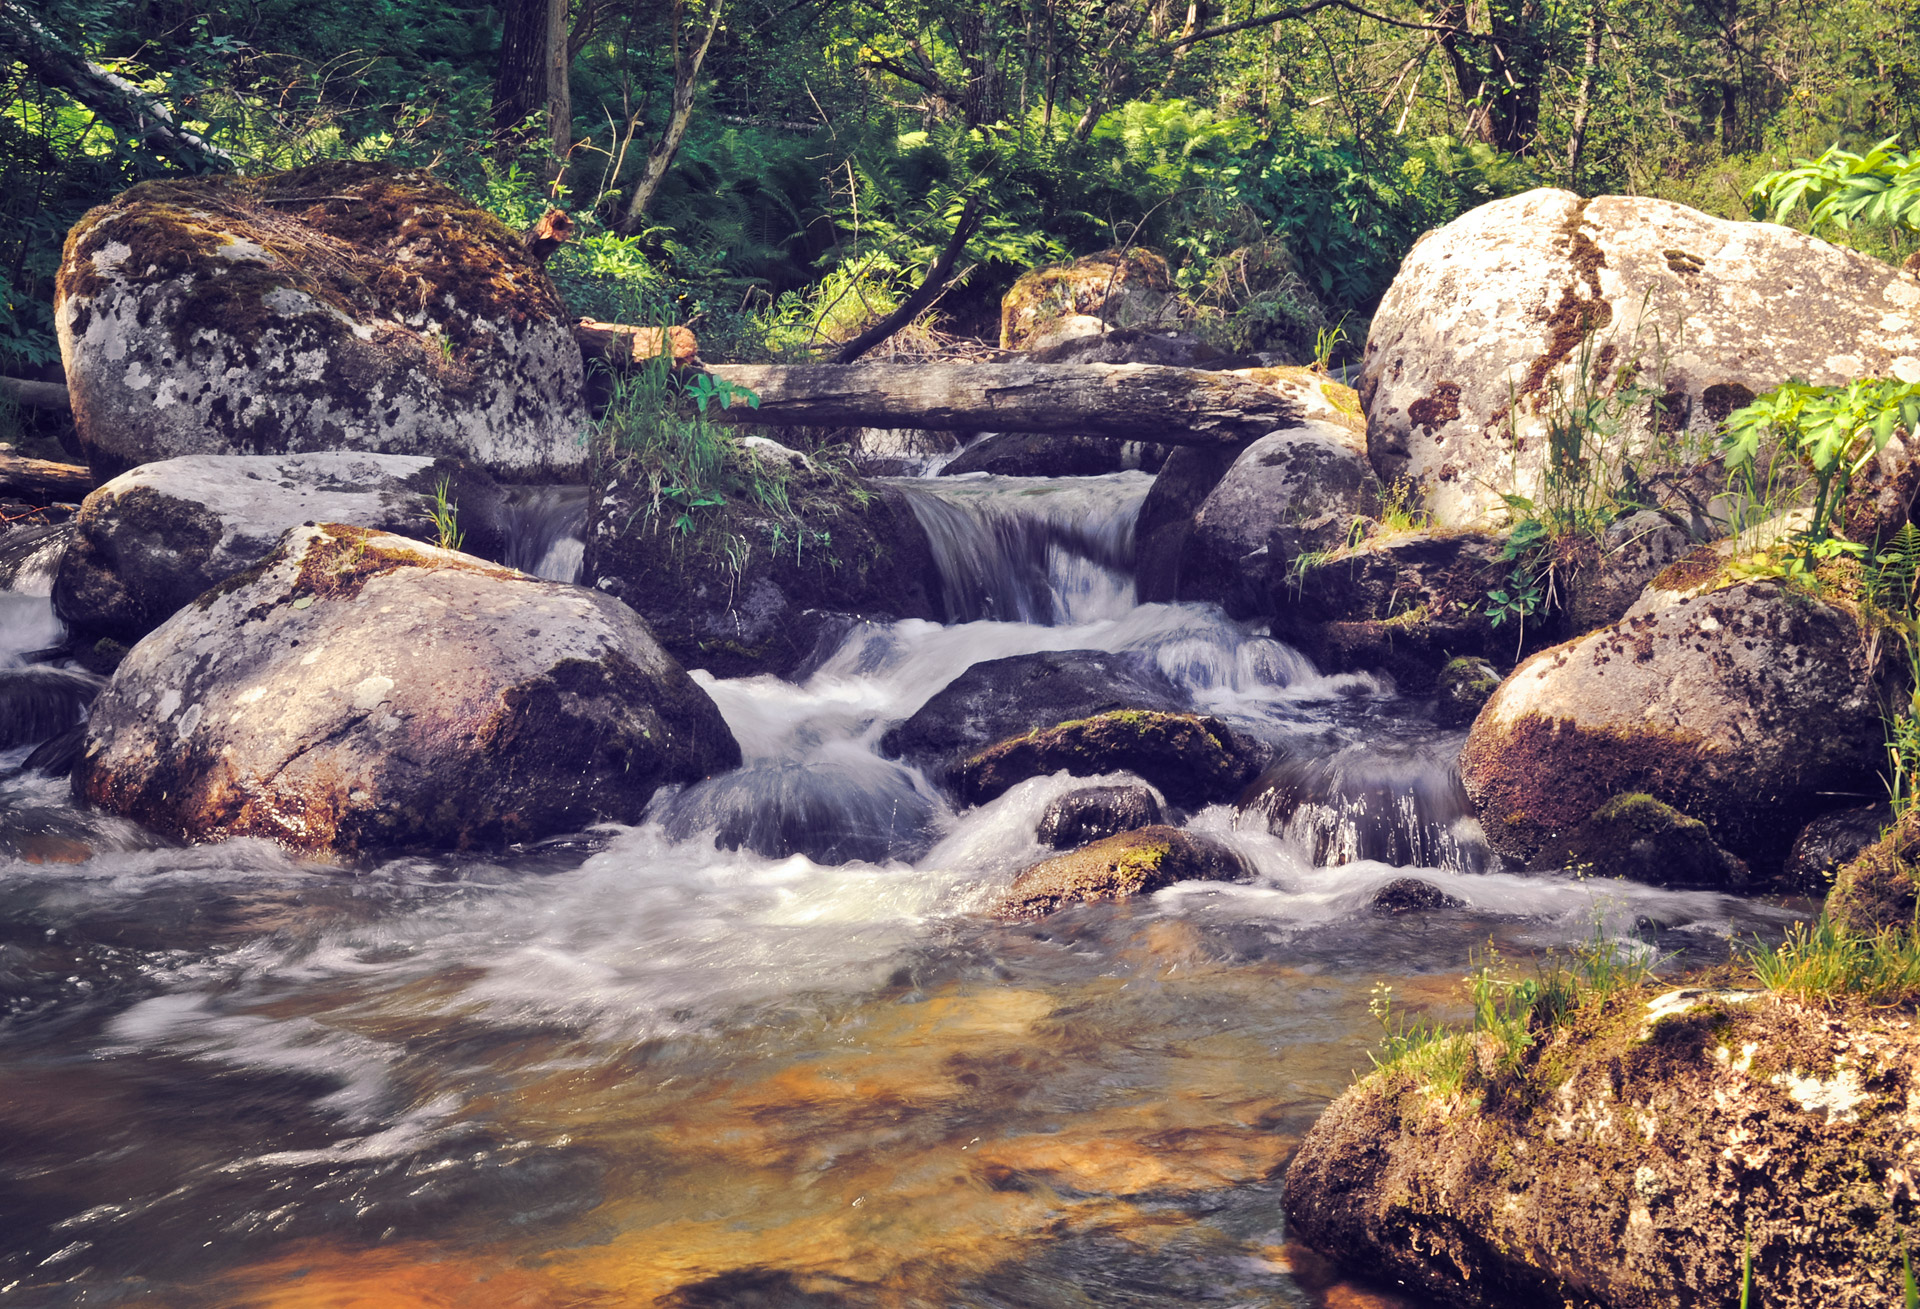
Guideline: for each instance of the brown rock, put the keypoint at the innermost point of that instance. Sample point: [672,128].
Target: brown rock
[1191,759]
[1133,863]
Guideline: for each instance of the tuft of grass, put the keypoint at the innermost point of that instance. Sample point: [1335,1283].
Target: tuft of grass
[444,514]
[1821,964]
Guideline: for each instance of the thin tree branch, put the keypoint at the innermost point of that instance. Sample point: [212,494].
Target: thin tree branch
[938,275]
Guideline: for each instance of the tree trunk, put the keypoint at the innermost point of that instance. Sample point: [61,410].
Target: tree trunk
[686,74]
[1127,402]
[131,111]
[558,60]
[520,78]
[1583,104]
[939,273]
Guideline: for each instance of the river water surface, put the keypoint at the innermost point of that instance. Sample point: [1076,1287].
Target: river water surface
[764,1049]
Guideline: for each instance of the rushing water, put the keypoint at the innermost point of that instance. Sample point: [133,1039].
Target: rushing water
[765,1048]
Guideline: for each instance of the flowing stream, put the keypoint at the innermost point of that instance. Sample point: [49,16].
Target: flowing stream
[765,1048]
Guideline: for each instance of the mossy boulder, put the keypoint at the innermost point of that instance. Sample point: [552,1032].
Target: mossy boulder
[1116,288]
[1494,315]
[343,306]
[1637,837]
[1832,841]
[1626,1159]
[1192,760]
[1746,707]
[1094,813]
[1410,895]
[728,592]
[1139,862]
[155,537]
[1463,686]
[1879,887]
[357,692]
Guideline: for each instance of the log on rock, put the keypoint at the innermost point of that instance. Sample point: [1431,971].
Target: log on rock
[36,395]
[621,345]
[43,481]
[1127,402]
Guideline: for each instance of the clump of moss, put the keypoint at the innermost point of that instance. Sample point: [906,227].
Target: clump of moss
[1133,863]
[1192,759]
[1880,887]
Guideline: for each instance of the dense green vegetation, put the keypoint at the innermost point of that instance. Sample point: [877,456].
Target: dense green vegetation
[783,172]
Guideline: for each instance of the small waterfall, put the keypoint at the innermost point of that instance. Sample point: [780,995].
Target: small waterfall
[1403,807]
[1032,550]
[545,529]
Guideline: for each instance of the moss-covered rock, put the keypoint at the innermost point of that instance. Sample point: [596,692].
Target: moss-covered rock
[1637,837]
[1463,686]
[343,306]
[1746,707]
[1133,863]
[357,691]
[1193,760]
[1625,1160]
[1118,288]
[1880,887]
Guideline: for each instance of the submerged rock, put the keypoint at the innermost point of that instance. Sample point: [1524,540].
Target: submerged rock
[832,811]
[1485,324]
[357,691]
[1133,863]
[1626,1160]
[38,703]
[1391,805]
[1637,837]
[1745,707]
[1410,895]
[1191,760]
[1094,813]
[153,538]
[342,306]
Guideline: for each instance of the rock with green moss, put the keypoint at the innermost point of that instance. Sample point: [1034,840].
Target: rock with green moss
[357,692]
[155,537]
[1463,686]
[1094,813]
[1747,707]
[1115,288]
[1637,837]
[1879,888]
[1626,1159]
[1193,760]
[1139,862]
[731,588]
[343,306]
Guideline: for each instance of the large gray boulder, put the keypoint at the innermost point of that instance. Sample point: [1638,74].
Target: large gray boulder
[344,306]
[358,691]
[153,538]
[1485,322]
[1751,707]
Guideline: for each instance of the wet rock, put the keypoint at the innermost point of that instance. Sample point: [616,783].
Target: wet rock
[998,698]
[1133,863]
[1191,760]
[1410,895]
[1832,841]
[1485,322]
[1634,551]
[1463,687]
[39,702]
[1400,806]
[30,557]
[1628,1159]
[832,811]
[1879,888]
[726,593]
[1636,837]
[1746,707]
[343,306]
[153,538]
[1405,603]
[1094,813]
[358,691]
[1117,288]
[1288,493]
[1166,515]
[1032,454]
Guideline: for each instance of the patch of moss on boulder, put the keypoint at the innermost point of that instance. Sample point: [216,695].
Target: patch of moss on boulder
[1637,837]
[1193,760]
[1133,863]
[1464,684]
[1880,887]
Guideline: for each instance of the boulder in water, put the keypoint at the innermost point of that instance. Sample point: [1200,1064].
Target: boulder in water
[833,811]
[1133,863]
[1190,759]
[1035,454]
[1463,687]
[38,703]
[1832,841]
[153,538]
[358,691]
[1637,837]
[1410,895]
[1492,316]
[1391,805]
[342,306]
[1094,813]
[1746,707]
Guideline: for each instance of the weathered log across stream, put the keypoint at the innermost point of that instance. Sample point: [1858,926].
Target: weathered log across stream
[1128,402]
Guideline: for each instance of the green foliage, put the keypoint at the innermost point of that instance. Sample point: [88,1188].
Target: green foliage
[1820,963]
[444,514]
[1880,188]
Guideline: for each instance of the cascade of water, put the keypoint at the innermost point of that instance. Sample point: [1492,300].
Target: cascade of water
[1398,805]
[545,529]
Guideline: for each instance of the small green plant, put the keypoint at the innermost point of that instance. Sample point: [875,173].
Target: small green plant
[444,514]
[1841,188]
[1746,1266]
[1325,342]
[1399,511]
[1820,963]
[1907,1283]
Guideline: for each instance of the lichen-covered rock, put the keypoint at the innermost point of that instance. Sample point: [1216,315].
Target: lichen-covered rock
[1463,689]
[158,535]
[998,698]
[1636,837]
[358,691]
[1487,315]
[1601,588]
[343,306]
[1629,1159]
[1879,887]
[1094,813]
[1746,707]
[1192,760]
[727,594]
[1117,288]
[1831,842]
[1288,493]
[1139,862]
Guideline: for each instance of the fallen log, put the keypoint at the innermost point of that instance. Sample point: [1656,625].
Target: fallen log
[36,395]
[1127,402]
[42,481]
[621,345]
